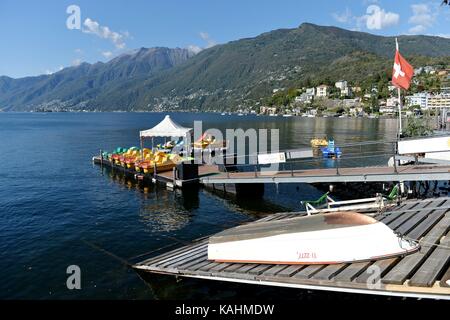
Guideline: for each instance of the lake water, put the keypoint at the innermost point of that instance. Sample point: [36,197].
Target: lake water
[58,209]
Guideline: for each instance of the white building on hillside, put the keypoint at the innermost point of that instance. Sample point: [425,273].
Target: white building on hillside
[392,102]
[341,84]
[322,90]
[304,98]
[346,92]
[417,99]
[311,91]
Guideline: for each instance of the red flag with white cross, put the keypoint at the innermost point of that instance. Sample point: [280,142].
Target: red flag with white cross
[402,72]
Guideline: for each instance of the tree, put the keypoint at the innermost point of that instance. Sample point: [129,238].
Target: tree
[416,127]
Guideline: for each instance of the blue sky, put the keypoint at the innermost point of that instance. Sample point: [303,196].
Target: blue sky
[36,39]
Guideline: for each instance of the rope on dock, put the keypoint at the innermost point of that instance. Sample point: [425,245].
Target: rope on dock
[427,243]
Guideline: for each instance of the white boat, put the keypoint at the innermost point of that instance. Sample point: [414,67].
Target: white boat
[287,115]
[318,239]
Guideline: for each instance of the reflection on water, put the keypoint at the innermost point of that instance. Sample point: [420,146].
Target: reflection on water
[160,210]
[161,216]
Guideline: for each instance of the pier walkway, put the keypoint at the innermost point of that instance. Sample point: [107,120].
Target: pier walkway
[424,274]
[355,174]
[210,174]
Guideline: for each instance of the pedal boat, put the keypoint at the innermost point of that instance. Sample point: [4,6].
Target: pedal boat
[148,167]
[319,142]
[318,239]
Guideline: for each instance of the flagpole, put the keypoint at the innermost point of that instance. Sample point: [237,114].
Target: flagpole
[399,113]
[399,102]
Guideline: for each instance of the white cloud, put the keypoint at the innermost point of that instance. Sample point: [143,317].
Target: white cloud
[195,49]
[78,51]
[417,29]
[422,18]
[107,54]
[377,18]
[93,27]
[49,71]
[344,17]
[209,43]
[76,62]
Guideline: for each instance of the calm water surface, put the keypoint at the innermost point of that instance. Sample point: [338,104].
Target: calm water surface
[57,209]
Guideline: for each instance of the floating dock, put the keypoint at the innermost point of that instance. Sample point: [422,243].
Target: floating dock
[170,178]
[212,175]
[424,274]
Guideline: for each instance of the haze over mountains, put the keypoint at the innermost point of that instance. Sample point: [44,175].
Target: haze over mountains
[222,77]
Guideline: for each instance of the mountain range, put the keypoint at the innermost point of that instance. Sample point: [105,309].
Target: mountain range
[222,77]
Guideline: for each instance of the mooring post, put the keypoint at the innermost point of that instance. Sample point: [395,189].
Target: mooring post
[292,169]
[101,157]
[337,167]
[174,175]
[154,171]
[256,171]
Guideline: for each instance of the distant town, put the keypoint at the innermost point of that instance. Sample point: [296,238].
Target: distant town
[430,91]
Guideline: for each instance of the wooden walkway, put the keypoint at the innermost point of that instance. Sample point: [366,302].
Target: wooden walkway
[422,172]
[424,274]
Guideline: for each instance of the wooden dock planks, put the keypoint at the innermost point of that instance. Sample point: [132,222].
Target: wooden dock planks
[409,264]
[420,219]
[433,266]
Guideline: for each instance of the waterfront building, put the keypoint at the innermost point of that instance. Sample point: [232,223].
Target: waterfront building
[346,92]
[417,99]
[267,110]
[392,102]
[322,90]
[438,101]
[356,89]
[304,98]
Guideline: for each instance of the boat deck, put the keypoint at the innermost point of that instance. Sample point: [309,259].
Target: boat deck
[424,274]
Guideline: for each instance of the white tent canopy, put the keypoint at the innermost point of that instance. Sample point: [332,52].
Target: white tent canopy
[166,128]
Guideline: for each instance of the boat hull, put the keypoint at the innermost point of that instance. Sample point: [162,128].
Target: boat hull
[337,245]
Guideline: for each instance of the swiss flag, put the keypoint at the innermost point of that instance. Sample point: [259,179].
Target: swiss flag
[402,72]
